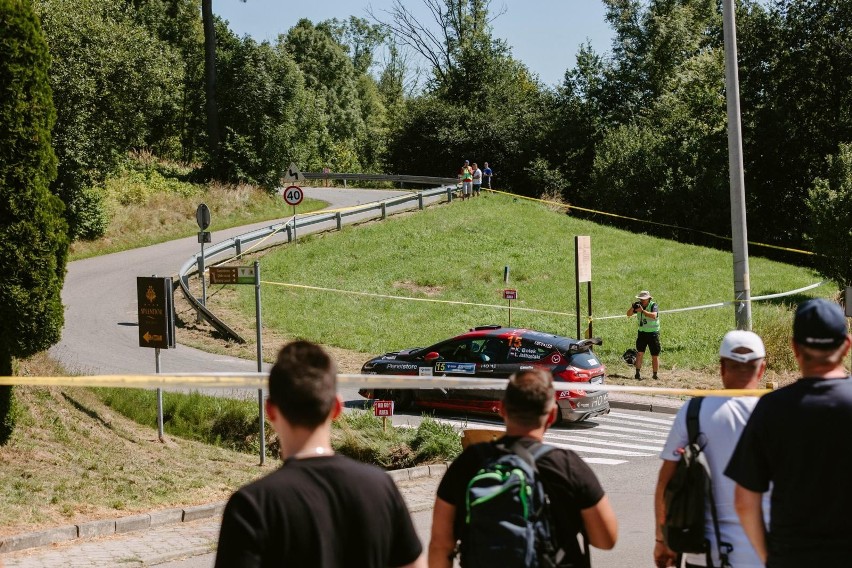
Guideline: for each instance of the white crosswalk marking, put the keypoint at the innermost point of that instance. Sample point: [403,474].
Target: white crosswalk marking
[605,440]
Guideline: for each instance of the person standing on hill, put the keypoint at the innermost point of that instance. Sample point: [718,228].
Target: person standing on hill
[487,173]
[466,177]
[797,442]
[477,179]
[319,508]
[649,331]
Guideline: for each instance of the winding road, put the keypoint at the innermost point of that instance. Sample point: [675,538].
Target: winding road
[101,328]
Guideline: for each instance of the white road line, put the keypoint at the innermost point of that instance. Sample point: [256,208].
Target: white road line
[632,430]
[604,461]
[666,421]
[648,427]
[597,433]
[605,451]
[604,443]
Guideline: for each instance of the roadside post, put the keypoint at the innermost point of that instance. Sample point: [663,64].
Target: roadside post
[156,313]
[248,275]
[383,408]
[294,195]
[583,273]
[510,295]
[202,217]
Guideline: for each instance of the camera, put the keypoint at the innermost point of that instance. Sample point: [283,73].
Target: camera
[637,306]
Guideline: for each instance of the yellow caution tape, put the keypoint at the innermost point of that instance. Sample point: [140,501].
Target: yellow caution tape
[259,380]
[595,211]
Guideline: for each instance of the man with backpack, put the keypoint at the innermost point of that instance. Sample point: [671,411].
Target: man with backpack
[717,423]
[518,501]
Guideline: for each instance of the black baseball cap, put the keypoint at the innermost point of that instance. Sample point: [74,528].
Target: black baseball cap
[819,324]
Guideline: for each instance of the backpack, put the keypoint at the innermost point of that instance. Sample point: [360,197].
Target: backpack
[507,512]
[685,493]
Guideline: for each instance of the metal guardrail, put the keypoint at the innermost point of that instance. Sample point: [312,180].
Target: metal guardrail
[403,179]
[196,263]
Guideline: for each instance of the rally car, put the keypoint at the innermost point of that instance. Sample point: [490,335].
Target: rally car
[495,352]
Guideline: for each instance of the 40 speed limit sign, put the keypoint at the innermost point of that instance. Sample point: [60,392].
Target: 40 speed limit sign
[293,195]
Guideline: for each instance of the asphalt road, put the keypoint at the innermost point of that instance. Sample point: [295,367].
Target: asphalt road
[101,334]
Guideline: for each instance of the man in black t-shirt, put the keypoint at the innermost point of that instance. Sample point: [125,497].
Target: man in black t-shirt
[577,501]
[319,509]
[797,440]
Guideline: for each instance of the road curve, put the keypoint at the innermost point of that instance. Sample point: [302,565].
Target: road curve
[101,332]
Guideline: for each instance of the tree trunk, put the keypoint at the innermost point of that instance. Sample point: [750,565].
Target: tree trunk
[210,84]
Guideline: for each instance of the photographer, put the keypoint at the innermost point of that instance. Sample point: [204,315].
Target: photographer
[649,331]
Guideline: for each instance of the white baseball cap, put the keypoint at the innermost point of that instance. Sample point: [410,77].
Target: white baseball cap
[740,340]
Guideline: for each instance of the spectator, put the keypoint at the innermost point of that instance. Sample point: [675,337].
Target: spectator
[649,331]
[577,501]
[318,508]
[487,173]
[721,421]
[466,177]
[477,179]
[797,441]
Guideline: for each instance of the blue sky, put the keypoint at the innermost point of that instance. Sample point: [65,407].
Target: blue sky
[544,34]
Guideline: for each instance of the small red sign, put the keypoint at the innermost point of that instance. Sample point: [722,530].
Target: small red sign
[510,294]
[383,407]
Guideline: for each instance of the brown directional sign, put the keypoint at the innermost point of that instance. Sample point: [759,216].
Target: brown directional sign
[231,274]
[156,312]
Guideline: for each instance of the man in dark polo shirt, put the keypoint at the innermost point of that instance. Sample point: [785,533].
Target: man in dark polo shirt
[798,442]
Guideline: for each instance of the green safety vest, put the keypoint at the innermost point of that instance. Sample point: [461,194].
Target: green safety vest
[649,325]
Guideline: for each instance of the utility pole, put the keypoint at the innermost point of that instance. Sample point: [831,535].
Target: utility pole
[739,232]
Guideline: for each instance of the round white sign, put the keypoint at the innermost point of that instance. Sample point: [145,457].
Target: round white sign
[293,195]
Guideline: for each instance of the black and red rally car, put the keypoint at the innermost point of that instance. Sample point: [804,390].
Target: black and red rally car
[495,352]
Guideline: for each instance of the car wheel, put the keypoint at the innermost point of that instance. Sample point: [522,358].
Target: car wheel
[402,399]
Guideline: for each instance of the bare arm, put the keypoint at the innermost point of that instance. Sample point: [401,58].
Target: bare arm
[663,555]
[749,505]
[601,524]
[443,542]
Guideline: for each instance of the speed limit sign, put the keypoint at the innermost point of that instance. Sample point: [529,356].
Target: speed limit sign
[293,195]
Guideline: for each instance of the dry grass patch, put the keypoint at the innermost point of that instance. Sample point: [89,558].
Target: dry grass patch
[71,459]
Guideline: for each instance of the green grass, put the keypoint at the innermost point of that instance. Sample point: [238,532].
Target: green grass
[233,425]
[148,206]
[457,252]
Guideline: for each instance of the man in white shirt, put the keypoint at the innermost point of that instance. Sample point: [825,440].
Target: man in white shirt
[742,362]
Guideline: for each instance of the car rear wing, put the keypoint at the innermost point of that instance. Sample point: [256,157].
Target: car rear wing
[584,345]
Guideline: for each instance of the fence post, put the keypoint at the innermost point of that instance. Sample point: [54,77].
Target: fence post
[384,210]
[238,246]
[420,200]
[344,182]
[449,194]
[339,219]
[289,234]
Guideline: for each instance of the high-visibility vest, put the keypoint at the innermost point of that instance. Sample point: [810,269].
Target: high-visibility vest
[649,325]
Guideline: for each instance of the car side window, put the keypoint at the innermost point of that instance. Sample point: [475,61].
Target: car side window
[527,351]
[493,350]
[457,350]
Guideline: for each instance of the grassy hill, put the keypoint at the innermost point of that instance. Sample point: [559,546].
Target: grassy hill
[457,252]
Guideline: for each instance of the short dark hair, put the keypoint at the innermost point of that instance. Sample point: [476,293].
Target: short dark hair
[529,397]
[303,383]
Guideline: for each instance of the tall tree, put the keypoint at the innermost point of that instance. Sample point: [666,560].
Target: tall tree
[211,105]
[33,234]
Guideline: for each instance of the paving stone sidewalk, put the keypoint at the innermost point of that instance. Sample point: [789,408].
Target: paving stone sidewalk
[176,540]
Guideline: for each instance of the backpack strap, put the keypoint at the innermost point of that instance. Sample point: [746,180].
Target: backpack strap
[693,431]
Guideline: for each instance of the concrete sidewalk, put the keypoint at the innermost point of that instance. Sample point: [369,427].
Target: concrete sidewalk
[167,541]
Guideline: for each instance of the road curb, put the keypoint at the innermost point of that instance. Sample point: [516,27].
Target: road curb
[140,522]
[664,407]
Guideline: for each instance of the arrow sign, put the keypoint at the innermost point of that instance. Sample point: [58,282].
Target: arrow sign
[293,174]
